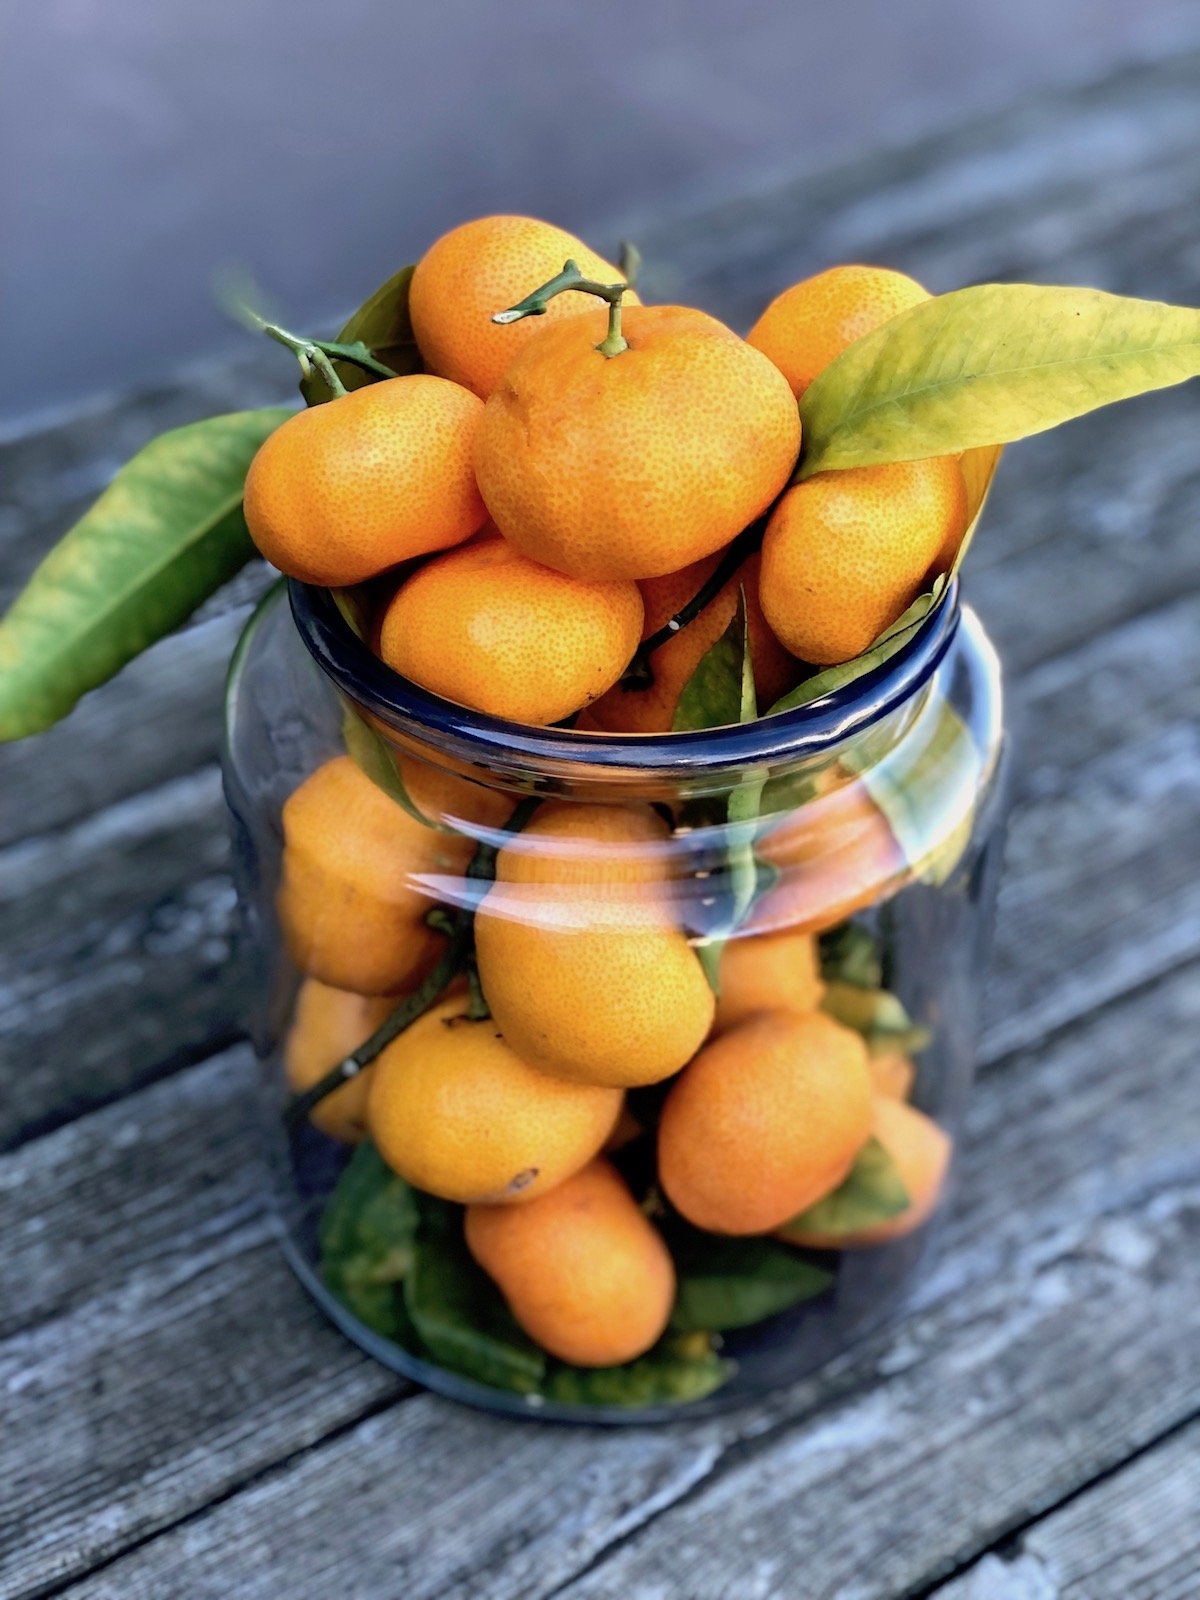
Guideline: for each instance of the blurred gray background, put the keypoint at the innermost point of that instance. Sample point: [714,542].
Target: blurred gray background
[149,144]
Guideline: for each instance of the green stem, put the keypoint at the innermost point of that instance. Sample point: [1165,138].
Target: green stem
[534,304]
[356,354]
[306,350]
[406,1013]
[640,673]
[457,956]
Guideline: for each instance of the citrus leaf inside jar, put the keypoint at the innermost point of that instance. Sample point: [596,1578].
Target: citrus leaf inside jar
[678,1369]
[458,1314]
[872,1192]
[367,1235]
[727,1283]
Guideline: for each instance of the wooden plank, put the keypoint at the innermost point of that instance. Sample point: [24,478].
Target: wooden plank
[1134,1536]
[157,1344]
[431,1500]
[131,915]
[129,918]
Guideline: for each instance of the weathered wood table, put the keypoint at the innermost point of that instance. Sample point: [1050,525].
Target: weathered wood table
[176,1419]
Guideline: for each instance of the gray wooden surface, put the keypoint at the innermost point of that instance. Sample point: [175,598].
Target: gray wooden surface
[178,1420]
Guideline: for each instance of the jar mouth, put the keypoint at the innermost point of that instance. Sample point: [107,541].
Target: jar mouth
[813,729]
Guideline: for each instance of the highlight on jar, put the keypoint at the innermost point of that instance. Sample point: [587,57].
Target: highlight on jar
[617,784]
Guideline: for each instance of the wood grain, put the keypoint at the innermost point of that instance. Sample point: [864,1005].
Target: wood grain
[1134,1536]
[1074,1191]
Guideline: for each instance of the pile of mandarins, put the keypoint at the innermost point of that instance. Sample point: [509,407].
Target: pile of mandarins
[546,494]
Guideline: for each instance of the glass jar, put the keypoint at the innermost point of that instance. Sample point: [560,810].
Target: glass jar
[830,870]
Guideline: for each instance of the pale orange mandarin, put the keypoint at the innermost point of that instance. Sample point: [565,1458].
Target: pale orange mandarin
[485,266]
[595,984]
[583,1271]
[354,892]
[806,326]
[767,972]
[345,490]
[492,630]
[578,843]
[846,553]
[634,465]
[835,854]
[459,1114]
[327,1025]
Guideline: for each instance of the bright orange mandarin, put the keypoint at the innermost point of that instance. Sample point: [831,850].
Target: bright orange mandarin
[805,327]
[583,1271]
[921,1151]
[845,553]
[485,266]
[652,710]
[835,854]
[768,972]
[456,1113]
[489,629]
[638,464]
[356,883]
[765,1121]
[326,1026]
[345,490]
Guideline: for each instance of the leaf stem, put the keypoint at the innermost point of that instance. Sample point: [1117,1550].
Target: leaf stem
[356,354]
[535,303]
[304,350]
[457,956]
[640,674]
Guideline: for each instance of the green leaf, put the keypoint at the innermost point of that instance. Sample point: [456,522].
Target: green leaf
[715,694]
[904,629]
[872,1192]
[164,535]
[733,1283]
[383,325]
[366,1234]
[990,364]
[676,1370]
[708,952]
[459,1314]
[371,752]
[850,954]
[878,1015]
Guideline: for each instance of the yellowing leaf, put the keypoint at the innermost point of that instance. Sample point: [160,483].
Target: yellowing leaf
[989,364]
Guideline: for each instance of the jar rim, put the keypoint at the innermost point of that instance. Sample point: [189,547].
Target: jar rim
[813,729]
